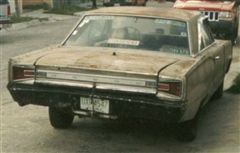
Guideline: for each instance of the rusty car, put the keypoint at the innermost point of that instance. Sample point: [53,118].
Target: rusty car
[126,62]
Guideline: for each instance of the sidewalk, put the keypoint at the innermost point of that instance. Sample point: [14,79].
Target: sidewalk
[56,17]
[38,14]
[51,17]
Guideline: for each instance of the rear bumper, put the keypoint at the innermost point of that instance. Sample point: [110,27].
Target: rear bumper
[121,104]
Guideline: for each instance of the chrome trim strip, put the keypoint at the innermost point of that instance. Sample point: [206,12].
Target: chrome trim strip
[94,78]
[113,117]
[64,83]
[28,81]
[98,86]
[73,29]
[204,49]
[76,69]
[81,113]
[107,116]
[190,47]
[166,96]
[126,88]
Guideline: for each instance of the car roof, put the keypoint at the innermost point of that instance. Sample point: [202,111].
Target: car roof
[171,13]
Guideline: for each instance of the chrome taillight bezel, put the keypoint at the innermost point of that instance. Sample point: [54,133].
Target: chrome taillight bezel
[167,96]
[27,71]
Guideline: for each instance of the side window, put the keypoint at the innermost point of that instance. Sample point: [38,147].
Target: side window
[204,34]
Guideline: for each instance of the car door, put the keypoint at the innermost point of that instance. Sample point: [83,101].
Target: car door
[214,52]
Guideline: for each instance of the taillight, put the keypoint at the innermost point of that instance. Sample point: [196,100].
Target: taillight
[8,10]
[22,73]
[173,88]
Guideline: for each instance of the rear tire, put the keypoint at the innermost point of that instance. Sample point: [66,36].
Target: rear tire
[219,92]
[60,118]
[233,36]
[187,131]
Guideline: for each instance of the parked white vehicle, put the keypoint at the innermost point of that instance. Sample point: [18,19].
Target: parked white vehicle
[4,14]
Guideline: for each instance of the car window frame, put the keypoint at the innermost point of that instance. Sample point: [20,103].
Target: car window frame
[143,16]
[202,25]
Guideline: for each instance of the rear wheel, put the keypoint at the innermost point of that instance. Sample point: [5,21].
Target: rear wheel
[219,92]
[187,131]
[236,32]
[60,118]
[233,35]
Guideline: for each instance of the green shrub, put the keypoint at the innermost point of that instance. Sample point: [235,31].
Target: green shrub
[44,6]
[16,19]
[67,10]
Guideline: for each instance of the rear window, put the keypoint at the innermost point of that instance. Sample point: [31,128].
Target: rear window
[154,34]
[3,1]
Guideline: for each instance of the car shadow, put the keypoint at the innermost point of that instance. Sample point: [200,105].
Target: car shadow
[217,132]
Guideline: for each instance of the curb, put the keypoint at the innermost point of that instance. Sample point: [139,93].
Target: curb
[79,13]
[23,25]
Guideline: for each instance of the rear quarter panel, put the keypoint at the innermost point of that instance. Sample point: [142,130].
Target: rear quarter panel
[205,76]
[198,74]
[228,51]
[198,82]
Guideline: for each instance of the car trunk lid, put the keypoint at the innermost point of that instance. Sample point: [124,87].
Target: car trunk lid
[102,68]
[104,59]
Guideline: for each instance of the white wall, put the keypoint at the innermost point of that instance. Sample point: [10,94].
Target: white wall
[12,6]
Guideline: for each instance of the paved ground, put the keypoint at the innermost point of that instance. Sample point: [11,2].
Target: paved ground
[27,129]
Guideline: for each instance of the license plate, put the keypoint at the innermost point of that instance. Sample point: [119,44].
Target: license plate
[97,105]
